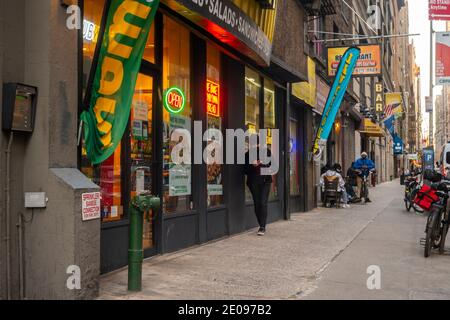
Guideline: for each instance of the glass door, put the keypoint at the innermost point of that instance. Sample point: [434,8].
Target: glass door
[142,152]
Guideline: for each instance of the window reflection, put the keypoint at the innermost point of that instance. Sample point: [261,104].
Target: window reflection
[177,178]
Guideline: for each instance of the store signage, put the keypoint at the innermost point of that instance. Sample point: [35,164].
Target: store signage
[439,9]
[344,74]
[413,156]
[306,90]
[442,58]
[90,31]
[321,95]
[379,97]
[372,129]
[174,100]
[368,64]
[230,18]
[394,105]
[212,98]
[114,73]
[428,104]
[90,206]
[398,145]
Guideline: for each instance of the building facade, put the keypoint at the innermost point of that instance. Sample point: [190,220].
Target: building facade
[277,80]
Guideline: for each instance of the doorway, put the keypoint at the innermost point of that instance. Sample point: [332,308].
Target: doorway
[141,152]
[296,150]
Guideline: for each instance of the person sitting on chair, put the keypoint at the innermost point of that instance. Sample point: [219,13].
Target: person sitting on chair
[335,172]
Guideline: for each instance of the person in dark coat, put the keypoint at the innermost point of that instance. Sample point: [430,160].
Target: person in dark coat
[258,184]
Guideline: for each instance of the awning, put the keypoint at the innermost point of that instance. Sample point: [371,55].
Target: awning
[371,129]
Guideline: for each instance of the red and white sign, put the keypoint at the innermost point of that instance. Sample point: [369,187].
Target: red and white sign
[90,207]
[439,10]
[442,58]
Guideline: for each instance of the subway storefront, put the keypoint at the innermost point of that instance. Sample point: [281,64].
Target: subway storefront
[206,61]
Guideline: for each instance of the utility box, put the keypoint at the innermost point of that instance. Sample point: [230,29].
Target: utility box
[19,107]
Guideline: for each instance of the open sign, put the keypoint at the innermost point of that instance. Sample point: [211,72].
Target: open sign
[174,100]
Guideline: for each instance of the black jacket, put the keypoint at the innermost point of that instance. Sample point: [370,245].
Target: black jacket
[254,173]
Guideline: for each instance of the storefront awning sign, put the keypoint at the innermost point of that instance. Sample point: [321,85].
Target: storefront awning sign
[372,129]
[122,41]
[344,74]
[228,23]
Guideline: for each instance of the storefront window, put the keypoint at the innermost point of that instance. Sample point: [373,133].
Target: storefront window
[214,119]
[149,52]
[93,11]
[252,108]
[270,123]
[177,185]
[141,152]
[252,100]
[108,174]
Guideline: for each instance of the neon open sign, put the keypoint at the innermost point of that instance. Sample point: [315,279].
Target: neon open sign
[174,100]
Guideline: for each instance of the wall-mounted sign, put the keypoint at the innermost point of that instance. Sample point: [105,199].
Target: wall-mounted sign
[321,95]
[398,145]
[439,10]
[428,104]
[442,57]
[212,98]
[174,100]
[379,97]
[90,31]
[90,206]
[394,104]
[230,24]
[368,64]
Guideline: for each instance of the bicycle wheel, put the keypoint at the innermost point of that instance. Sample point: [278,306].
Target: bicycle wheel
[444,231]
[432,229]
[408,203]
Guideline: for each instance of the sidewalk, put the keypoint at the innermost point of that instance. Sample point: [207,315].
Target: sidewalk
[284,264]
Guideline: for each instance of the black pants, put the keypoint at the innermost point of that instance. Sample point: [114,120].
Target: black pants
[260,192]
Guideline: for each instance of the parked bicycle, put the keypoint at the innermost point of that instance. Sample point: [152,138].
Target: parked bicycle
[434,199]
[412,186]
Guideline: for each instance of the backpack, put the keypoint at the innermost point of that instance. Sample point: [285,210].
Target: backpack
[425,197]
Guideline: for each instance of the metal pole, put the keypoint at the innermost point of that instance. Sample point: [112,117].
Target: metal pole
[369,37]
[431,114]
[135,252]
[139,205]
[8,216]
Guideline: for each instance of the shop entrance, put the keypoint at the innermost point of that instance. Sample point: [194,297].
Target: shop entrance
[141,155]
[296,150]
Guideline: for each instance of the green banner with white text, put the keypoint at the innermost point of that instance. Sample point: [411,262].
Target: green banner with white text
[125,35]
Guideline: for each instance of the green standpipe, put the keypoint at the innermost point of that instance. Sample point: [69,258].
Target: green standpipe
[139,205]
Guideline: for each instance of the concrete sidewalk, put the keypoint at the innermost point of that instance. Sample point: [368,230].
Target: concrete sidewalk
[285,264]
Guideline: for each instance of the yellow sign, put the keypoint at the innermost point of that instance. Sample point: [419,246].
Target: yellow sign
[306,91]
[368,64]
[371,129]
[394,104]
[379,97]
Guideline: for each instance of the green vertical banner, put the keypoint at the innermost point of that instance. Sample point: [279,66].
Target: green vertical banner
[125,34]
